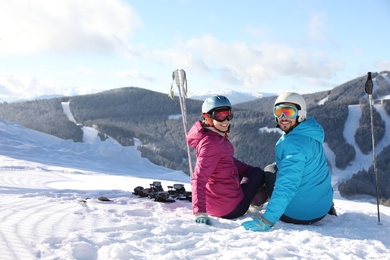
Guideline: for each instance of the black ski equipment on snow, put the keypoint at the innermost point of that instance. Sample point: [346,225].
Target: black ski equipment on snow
[157,193]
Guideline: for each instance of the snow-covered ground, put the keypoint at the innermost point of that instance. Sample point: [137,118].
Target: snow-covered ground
[43,180]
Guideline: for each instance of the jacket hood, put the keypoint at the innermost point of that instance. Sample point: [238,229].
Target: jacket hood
[196,133]
[310,128]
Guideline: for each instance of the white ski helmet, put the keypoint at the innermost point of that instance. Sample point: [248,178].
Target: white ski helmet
[294,98]
[214,102]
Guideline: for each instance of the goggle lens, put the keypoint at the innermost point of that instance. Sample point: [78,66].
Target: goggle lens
[222,115]
[286,111]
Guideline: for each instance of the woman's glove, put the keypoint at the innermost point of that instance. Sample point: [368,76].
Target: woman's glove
[257,225]
[202,218]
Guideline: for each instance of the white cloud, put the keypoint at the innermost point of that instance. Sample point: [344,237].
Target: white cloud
[125,73]
[18,86]
[29,27]
[249,66]
[383,65]
[25,86]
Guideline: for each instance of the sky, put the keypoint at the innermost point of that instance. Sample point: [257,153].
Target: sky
[55,47]
[49,209]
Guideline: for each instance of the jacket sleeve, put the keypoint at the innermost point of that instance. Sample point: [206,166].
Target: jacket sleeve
[291,165]
[208,155]
[241,167]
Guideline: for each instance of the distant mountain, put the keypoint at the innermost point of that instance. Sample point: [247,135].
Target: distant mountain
[49,96]
[149,120]
[235,97]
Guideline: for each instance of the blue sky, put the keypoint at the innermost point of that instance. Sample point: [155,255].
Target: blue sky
[50,47]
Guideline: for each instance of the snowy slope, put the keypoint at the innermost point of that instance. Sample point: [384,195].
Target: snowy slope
[362,161]
[43,179]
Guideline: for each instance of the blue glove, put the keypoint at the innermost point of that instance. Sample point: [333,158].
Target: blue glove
[257,225]
[202,218]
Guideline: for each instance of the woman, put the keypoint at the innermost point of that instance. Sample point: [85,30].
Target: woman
[222,186]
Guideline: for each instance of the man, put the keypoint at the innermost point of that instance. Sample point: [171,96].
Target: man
[303,192]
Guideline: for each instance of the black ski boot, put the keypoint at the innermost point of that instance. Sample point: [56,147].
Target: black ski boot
[164,197]
[139,190]
[178,192]
[156,189]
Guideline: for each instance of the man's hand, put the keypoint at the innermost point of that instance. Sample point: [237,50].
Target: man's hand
[257,225]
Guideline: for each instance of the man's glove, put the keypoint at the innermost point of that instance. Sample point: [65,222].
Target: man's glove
[256,225]
[202,218]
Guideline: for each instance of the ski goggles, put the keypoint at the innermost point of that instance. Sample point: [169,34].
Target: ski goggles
[286,111]
[222,115]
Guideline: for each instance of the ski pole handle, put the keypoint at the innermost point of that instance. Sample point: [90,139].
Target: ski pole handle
[369,85]
[179,76]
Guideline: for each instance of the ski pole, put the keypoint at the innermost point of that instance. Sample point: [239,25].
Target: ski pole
[368,88]
[179,77]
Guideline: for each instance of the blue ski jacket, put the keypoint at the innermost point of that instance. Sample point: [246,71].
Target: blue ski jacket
[303,189]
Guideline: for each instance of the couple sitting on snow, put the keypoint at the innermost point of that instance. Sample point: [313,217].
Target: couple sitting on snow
[297,186]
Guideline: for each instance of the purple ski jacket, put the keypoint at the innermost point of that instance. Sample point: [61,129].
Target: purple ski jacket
[215,182]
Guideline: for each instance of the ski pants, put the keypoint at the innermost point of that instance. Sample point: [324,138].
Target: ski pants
[250,184]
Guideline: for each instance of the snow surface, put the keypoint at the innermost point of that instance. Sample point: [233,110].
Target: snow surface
[43,180]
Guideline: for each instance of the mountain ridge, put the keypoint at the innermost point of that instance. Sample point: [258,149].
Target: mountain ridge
[235,97]
[132,113]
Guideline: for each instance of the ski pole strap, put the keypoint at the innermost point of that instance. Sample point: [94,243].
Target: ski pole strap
[267,221]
